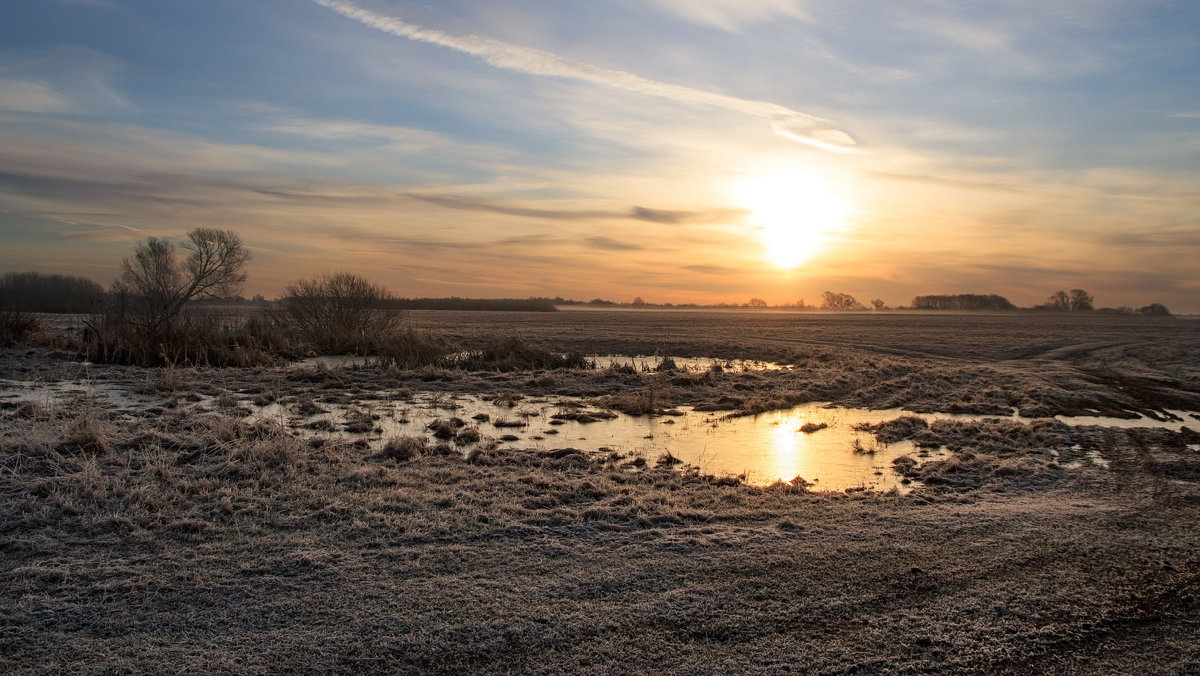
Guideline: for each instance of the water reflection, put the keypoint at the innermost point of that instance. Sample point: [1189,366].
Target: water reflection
[640,363]
[816,442]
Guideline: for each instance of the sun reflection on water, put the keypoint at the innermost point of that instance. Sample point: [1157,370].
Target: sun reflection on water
[787,445]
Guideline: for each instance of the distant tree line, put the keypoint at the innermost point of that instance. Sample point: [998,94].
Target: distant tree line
[1077,300]
[962,301]
[155,311]
[41,292]
[455,303]
[1153,310]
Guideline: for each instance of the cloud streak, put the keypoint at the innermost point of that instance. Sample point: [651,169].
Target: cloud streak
[638,213]
[731,15]
[797,126]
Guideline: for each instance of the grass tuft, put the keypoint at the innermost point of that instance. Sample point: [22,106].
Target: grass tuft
[403,449]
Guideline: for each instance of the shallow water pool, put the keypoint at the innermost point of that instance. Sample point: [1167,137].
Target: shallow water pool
[816,442]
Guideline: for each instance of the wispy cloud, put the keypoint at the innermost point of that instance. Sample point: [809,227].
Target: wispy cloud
[964,183]
[731,15]
[710,269]
[64,79]
[473,204]
[638,213]
[679,217]
[609,244]
[28,96]
[798,126]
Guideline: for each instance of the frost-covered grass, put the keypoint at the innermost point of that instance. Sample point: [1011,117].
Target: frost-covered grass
[174,535]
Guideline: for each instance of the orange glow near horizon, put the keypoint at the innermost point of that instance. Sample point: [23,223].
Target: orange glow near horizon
[795,213]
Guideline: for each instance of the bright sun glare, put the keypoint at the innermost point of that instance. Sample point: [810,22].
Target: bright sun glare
[795,213]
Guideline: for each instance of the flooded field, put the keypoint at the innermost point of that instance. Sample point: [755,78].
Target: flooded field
[855,493]
[828,447]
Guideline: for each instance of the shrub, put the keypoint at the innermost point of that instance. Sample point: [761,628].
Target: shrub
[411,348]
[196,339]
[16,327]
[512,353]
[340,312]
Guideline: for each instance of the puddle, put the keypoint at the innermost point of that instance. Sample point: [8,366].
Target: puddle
[640,363]
[335,361]
[1092,456]
[815,442]
[1180,420]
[692,364]
[762,448]
[50,393]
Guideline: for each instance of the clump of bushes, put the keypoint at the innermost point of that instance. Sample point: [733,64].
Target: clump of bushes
[17,327]
[194,339]
[343,313]
[514,353]
[338,313]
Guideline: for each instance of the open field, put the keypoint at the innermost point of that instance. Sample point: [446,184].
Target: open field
[169,532]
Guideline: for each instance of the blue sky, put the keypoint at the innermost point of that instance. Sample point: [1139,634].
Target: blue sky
[678,150]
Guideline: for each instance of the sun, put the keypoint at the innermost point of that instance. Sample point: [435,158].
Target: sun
[795,213]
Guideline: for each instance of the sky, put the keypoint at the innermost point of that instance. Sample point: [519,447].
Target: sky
[683,151]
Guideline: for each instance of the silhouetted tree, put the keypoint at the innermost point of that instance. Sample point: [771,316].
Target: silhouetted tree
[1058,301]
[878,304]
[756,302]
[1080,301]
[638,301]
[840,301]
[1157,309]
[154,287]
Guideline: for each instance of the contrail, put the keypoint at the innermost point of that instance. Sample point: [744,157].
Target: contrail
[786,122]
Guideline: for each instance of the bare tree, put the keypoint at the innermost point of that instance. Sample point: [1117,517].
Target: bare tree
[878,304]
[339,312]
[840,301]
[1058,301]
[756,302]
[1080,300]
[154,287]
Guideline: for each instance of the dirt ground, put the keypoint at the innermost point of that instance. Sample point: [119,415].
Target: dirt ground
[178,536]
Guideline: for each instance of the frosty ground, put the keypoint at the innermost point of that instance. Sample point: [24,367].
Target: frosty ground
[177,534]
